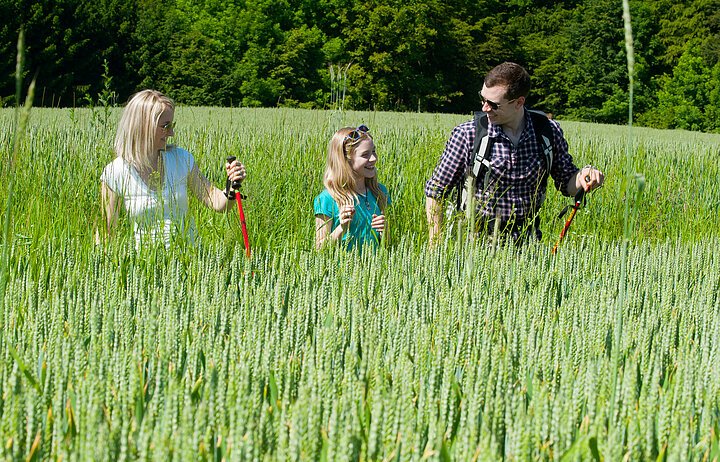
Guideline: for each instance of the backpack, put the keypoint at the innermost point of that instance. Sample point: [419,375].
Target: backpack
[482,149]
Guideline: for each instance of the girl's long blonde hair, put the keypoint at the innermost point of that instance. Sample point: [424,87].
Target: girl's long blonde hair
[339,179]
[136,131]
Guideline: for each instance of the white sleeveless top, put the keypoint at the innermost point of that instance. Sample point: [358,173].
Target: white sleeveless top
[154,215]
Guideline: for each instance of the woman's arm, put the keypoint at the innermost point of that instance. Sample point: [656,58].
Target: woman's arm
[110,203]
[207,193]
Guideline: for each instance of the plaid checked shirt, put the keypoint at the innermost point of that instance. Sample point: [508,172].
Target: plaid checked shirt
[514,187]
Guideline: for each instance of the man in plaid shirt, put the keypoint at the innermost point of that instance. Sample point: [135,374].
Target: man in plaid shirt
[515,191]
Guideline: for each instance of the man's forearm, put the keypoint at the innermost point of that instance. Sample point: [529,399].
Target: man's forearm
[573,184]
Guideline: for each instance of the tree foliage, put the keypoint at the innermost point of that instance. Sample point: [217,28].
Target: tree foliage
[426,55]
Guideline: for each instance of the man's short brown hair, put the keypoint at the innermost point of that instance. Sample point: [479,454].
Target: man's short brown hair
[511,75]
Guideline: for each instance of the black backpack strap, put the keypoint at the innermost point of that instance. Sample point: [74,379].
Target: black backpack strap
[544,135]
[482,148]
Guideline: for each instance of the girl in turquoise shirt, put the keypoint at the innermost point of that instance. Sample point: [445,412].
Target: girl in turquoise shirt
[351,209]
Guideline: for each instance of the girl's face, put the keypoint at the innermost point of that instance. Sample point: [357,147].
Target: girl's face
[362,161]
[164,129]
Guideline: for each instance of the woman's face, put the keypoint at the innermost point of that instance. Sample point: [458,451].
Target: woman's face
[498,108]
[362,161]
[164,129]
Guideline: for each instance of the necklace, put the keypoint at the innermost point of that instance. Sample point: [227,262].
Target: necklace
[365,199]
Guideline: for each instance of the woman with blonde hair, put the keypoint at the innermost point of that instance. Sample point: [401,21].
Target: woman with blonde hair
[351,209]
[149,178]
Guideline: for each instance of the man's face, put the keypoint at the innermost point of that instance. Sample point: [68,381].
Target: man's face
[498,108]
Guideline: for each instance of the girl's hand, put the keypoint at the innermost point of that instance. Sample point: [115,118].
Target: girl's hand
[235,171]
[347,212]
[378,223]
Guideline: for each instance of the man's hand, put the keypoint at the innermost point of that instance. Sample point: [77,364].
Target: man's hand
[587,179]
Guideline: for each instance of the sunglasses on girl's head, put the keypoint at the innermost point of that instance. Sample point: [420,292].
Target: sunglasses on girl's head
[356,134]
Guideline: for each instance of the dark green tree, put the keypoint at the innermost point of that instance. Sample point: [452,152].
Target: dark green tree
[420,55]
[67,42]
[301,69]
[427,55]
[688,99]
[203,53]
[262,24]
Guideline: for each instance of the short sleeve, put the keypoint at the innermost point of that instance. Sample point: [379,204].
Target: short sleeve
[112,175]
[325,205]
[179,164]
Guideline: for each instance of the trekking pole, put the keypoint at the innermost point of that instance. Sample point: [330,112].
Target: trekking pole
[578,201]
[232,190]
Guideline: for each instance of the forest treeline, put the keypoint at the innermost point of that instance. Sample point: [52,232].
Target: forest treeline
[402,55]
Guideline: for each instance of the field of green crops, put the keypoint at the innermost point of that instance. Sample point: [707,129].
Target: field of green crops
[465,351]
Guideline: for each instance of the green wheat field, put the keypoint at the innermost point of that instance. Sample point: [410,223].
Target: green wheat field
[464,351]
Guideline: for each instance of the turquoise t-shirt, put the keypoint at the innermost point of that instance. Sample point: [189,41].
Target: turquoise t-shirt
[360,231]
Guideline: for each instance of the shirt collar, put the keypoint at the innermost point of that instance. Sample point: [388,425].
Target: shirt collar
[495,131]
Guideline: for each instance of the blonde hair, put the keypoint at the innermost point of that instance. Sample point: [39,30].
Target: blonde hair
[136,131]
[339,178]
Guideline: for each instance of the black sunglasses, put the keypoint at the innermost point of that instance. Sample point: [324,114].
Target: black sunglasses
[493,105]
[356,134]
